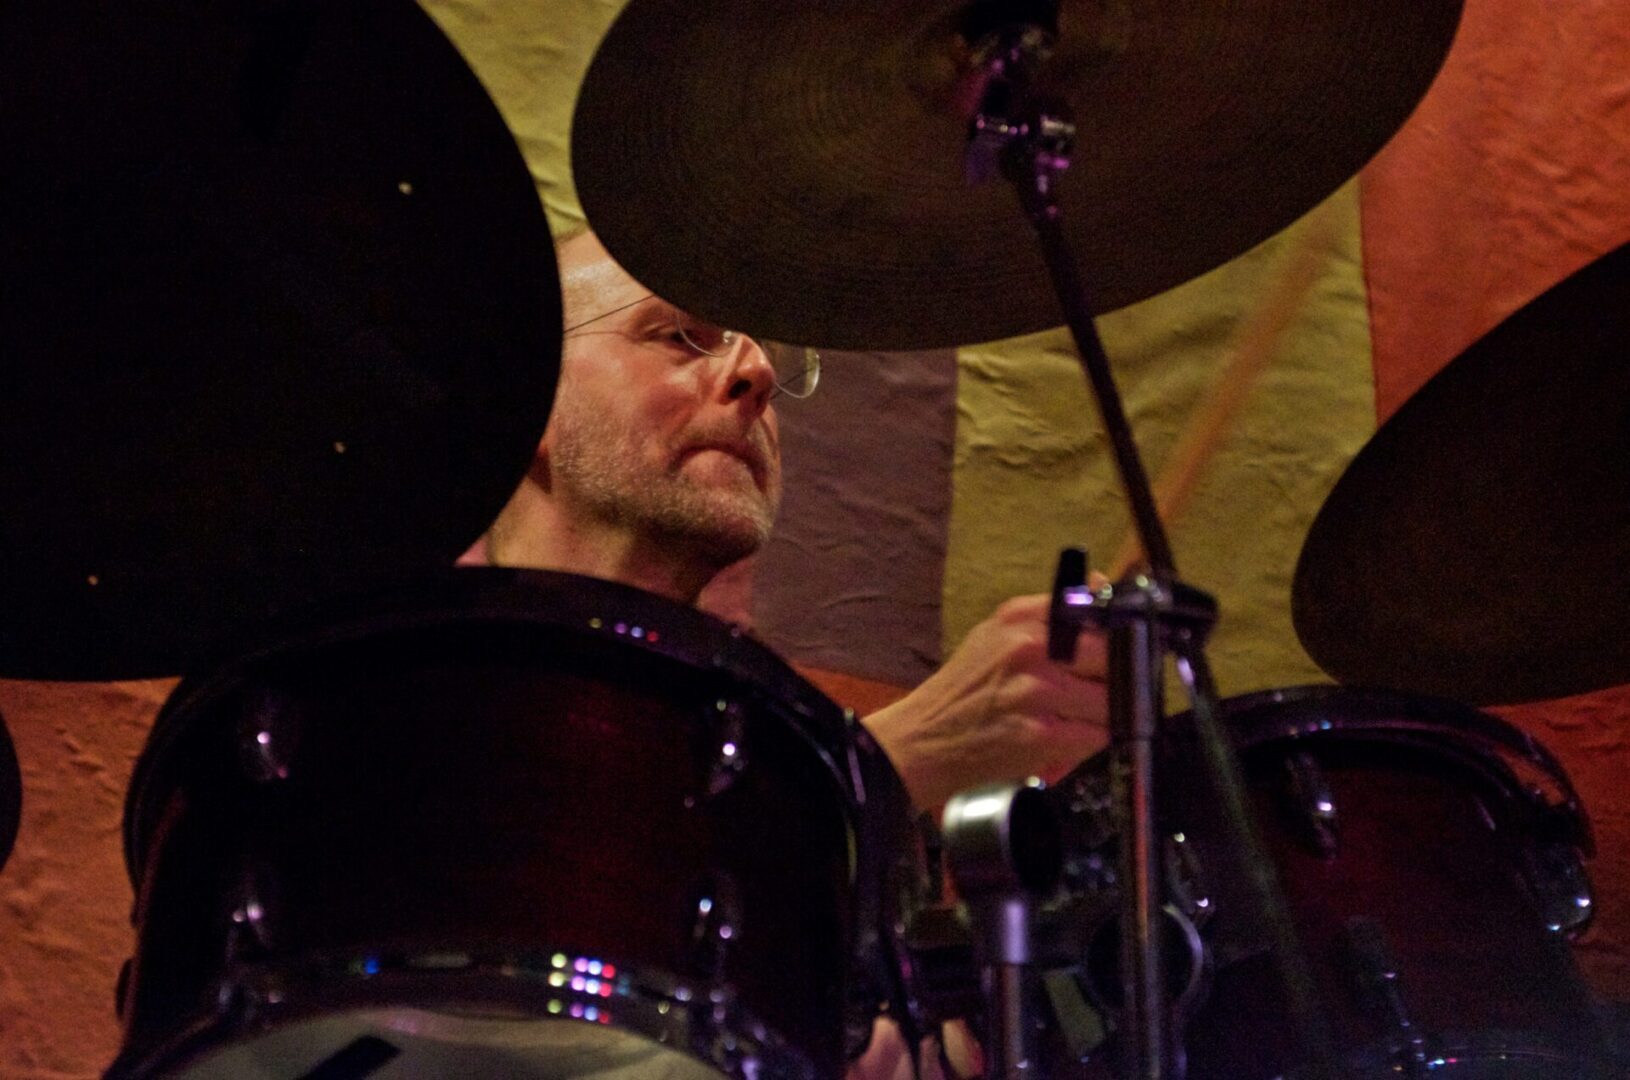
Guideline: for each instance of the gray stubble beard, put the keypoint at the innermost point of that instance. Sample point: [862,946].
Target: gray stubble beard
[602,468]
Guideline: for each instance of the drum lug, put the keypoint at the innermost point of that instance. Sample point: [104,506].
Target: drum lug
[250,935]
[1186,879]
[856,737]
[1312,805]
[249,932]
[1086,815]
[266,739]
[730,759]
[1377,979]
[715,924]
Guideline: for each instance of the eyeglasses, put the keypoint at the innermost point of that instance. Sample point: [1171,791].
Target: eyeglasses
[797,370]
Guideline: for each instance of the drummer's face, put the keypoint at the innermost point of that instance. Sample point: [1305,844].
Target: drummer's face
[649,434]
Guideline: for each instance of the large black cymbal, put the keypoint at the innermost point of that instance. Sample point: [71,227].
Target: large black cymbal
[796,169]
[1478,547]
[280,316]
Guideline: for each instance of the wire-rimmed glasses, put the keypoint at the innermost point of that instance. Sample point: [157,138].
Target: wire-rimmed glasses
[797,369]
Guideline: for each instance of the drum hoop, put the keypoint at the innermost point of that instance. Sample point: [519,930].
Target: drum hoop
[1501,1044]
[668,1015]
[1394,713]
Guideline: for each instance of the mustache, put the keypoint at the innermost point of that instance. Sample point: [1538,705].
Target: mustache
[755,445]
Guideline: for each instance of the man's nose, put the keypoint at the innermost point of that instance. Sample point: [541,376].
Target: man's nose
[750,373]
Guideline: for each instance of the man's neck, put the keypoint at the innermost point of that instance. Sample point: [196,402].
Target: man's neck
[535,531]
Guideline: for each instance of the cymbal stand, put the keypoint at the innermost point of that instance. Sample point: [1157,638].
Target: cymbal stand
[1031,142]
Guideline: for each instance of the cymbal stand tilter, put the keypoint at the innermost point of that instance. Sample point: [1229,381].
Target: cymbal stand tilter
[1030,141]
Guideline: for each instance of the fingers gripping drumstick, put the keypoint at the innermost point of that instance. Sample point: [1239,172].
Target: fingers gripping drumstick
[1252,350]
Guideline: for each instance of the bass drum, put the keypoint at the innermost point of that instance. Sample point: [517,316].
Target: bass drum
[503,823]
[1431,858]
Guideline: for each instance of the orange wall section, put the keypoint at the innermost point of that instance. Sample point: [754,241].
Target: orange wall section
[64,896]
[1512,174]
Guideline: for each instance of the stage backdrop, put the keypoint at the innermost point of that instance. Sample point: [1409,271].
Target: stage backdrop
[925,488]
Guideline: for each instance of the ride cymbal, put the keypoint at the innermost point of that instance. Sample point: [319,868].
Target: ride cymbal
[280,317]
[1478,547]
[796,169]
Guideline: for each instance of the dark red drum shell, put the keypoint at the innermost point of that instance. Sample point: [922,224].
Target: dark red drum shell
[507,763]
[1481,741]
[493,597]
[1435,838]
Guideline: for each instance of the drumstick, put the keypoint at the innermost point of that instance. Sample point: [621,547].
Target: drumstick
[1252,350]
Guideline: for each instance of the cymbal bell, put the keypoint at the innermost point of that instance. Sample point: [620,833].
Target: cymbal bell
[1478,547]
[280,318]
[796,169]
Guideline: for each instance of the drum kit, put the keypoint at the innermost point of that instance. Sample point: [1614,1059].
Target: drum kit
[282,342]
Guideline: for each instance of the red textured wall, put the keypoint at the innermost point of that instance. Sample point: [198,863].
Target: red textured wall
[1514,173]
[64,898]
[1590,735]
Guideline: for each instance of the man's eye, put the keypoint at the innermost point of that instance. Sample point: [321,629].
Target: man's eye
[670,337]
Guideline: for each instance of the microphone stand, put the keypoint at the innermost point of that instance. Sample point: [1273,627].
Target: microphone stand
[1031,142]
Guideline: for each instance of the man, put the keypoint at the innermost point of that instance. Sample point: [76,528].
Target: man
[661,466]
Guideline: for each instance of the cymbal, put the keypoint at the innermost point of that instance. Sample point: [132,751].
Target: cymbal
[280,317]
[796,169]
[1478,547]
[11,794]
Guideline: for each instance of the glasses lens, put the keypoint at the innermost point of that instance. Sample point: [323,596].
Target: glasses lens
[704,337]
[797,369]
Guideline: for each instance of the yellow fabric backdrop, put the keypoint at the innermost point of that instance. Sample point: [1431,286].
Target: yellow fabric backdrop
[1032,472]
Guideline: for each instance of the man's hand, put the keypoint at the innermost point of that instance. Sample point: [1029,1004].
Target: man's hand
[888,1058]
[998,709]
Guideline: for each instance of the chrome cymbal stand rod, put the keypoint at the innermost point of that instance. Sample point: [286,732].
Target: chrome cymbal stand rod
[1152,1038]
[1037,150]
[1032,142]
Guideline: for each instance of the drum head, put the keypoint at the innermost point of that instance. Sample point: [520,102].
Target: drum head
[415,1044]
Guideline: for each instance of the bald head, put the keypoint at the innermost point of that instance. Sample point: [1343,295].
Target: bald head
[591,281]
[660,465]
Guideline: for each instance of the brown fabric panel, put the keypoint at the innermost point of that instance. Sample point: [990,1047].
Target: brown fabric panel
[851,579]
